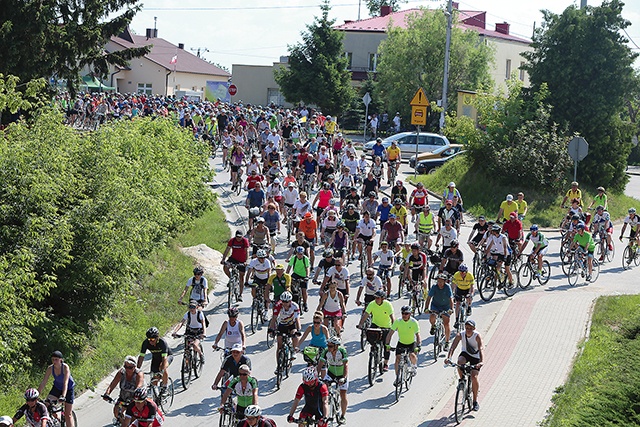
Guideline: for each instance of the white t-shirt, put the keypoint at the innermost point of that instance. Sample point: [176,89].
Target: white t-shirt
[290,197]
[276,140]
[340,277]
[367,228]
[371,286]
[196,321]
[199,289]
[261,269]
[301,208]
[448,235]
[386,258]
[500,243]
[352,165]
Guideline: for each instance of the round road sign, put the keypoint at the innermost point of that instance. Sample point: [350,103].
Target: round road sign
[233,90]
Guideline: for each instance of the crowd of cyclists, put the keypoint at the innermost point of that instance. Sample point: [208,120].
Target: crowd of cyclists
[299,176]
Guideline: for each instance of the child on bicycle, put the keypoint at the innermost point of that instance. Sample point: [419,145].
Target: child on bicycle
[315,396]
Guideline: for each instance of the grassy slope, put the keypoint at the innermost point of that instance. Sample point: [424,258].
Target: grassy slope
[603,388]
[483,198]
[148,303]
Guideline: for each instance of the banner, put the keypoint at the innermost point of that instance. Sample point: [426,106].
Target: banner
[217,91]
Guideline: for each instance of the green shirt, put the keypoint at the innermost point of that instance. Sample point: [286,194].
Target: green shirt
[407,330]
[380,314]
[299,265]
[585,241]
[335,363]
[600,200]
[245,396]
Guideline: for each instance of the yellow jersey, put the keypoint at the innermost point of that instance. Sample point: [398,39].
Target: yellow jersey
[401,214]
[393,153]
[574,195]
[462,283]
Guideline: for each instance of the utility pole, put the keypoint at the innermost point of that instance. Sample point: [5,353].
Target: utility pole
[447,48]
[198,50]
[583,4]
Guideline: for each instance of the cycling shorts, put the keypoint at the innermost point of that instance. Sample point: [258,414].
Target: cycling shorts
[471,359]
[286,329]
[241,265]
[416,275]
[543,251]
[461,293]
[344,386]
[368,240]
[235,168]
[405,348]
[69,397]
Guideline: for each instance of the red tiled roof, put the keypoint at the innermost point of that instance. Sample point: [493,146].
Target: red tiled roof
[468,19]
[162,52]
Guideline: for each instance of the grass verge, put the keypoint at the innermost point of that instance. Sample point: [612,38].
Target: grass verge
[604,384]
[482,197]
[150,301]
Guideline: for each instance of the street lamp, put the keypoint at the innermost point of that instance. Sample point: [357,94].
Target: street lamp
[447,48]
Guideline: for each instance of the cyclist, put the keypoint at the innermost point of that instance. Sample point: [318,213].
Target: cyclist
[340,275]
[34,410]
[329,225]
[633,221]
[6,421]
[418,200]
[452,258]
[408,338]
[392,232]
[254,201]
[300,265]
[315,396]
[448,212]
[371,284]
[370,205]
[381,312]
[440,301]
[300,241]
[199,286]
[143,410]
[450,192]
[382,211]
[477,233]
[239,248]
[195,326]
[351,218]
[513,229]
[585,242]
[393,158]
[506,207]
[523,206]
[286,320]
[231,366]
[278,282]
[232,330]
[260,270]
[387,261]
[540,246]
[259,236]
[448,234]
[339,242]
[602,223]
[332,305]
[365,232]
[498,247]
[463,283]
[309,226]
[254,418]
[400,211]
[245,388]
[63,385]
[377,170]
[416,261]
[161,355]
[600,199]
[272,220]
[324,265]
[399,191]
[321,201]
[573,193]
[472,352]
[319,337]
[334,365]
[424,226]
[351,198]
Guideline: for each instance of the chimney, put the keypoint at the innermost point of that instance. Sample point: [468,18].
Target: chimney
[348,21]
[180,45]
[455,5]
[502,28]
[385,10]
[152,33]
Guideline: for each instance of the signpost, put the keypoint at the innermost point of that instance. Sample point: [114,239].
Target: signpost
[233,89]
[578,149]
[367,100]
[419,104]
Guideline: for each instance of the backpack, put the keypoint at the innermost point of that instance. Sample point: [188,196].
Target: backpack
[206,321]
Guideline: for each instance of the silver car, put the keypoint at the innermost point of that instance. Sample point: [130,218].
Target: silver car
[406,141]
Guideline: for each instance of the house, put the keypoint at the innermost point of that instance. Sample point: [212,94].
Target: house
[166,70]
[257,85]
[362,39]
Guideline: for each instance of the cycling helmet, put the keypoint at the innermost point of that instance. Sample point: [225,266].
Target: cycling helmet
[463,268]
[325,185]
[443,275]
[534,227]
[380,294]
[372,194]
[6,421]
[419,185]
[330,176]
[340,224]
[261,253]
[352,206]
[331,212]
[577,217]
[299,250]
[153,332]
[279,267]
[405,309]
[580,225]
[632,210]
[385,199]
[310,376]
[198,270]
[289,172]
[140,393]
[259,220]
[252,411]
[334,340]
[495,227]
[31,394]
[328,253]
[599,208]
[454,243]
[397,202]
[286,296]
[384,243]
[353,189]
[233,312]
[415,246]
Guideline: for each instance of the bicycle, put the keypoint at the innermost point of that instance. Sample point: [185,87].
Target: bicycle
[56,410]
[376,361]
[285,354]
[233,290]
[192,361]
[631,254]
[163,400]
[416,298]
[580,268]
[439,336]
[405,374]
[477,262]
[393,172]
[461,317]
[435,258]
[332,325]
[603,253]
[290,225]
[494,279]
[122,405]
[258,309]
[464,393]
[363,333]
[228,414]
[296,290]
[529,271]
[333,403]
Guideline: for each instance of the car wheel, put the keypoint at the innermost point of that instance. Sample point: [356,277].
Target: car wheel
[432,171]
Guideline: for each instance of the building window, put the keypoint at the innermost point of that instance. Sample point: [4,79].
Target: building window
[349,56]
[177,87]
[521,71]
[507,74]
[373,61]
[145,88]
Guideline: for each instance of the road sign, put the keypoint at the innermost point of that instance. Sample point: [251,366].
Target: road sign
[419,99]
[366,99]
[419,116]
[578,148]
[233,90]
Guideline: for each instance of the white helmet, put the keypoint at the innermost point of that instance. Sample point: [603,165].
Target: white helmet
[310,375]
[252,411]
[286,296]
[261,253]
[334,340]
[6,420]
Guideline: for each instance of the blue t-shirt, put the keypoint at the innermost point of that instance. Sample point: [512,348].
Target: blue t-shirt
[441,298]
[271,221]
[378,150]
[310,167]
[383,211]
[255,198]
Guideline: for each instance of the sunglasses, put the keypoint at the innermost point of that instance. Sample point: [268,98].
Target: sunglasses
[128,367]
[406,314]
[317,322]
[193,306]
[243,375]
[140,401]
[32,400]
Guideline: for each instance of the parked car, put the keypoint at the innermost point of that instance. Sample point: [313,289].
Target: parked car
[429,166]
[436,154]
[427,142]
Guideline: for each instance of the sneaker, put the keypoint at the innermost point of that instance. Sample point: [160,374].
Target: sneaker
[432,331]
[610,247]
[588,277]
[341,419]
[275,372]
[475,407]
[395,383]
[455,325]
[385,368]
[239,298]
[460,384]
[446,346]
[413,369]
[601,258]
[305,307]
[468,311]
[163,390]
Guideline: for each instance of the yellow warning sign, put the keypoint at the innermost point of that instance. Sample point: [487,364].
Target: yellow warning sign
[419,99]
[419,115]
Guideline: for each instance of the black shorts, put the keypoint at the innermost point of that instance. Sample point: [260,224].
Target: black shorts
[289,205]
[416,275]
[235,168]
[319,211]
[345,294]
[304,281]
[241,265]
[259,282]
[471,359]
[368,299]
[312,243]
[368,240]
[286,329]
[69,397]
[405,348]
[460,293]
[477,238]
[156,361]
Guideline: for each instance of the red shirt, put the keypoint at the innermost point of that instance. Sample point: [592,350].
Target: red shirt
[149,411]
[419,197]
[513,229]
[252,179]
[239,249]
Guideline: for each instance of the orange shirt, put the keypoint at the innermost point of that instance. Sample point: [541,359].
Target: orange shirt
[308,228]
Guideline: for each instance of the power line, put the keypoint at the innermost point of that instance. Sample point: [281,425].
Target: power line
[214,8]
[630,39]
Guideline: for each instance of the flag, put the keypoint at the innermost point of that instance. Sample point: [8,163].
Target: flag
[174,59]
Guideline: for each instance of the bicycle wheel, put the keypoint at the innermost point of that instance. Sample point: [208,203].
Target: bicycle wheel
[595,270]
[238,186]
[476,264]
[436,344]
[566,264]
[270,339]
[255,313]
[510,289]
[574,273]
[225,419]
[627,258]
[419,302]
[461,404]
[334,406]
[400,284]
[166,400]
[545,273]
[525,276]
[432,276]
[636,256]
[280,368]
[609,253]
[198,362]
[487,288]
[373,366]
[363,266]
[408,376]
[289,227]
[185,370]
[231,293]
[399,381]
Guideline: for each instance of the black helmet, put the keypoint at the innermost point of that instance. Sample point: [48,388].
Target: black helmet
[454,243]
[415,246]
[405,309]
[153,332]
[575,218]
[327,253]
[140,393]
[380,294]
[198,270]
[233,312]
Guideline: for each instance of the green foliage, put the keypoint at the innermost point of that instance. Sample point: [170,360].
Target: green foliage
[59,38]
[374,5]
[583,58]
[79,213]
[414,57]
[354,117]
[12,100]
[461,130]
[604,384]
[317,72]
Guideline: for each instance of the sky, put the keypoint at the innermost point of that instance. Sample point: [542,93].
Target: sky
[257,32]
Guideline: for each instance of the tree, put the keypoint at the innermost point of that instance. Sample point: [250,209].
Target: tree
[374,6]
[583,58]
[414,57]
[317,71]
[57,39]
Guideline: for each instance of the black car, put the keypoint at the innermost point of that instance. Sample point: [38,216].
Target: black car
[429,166]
